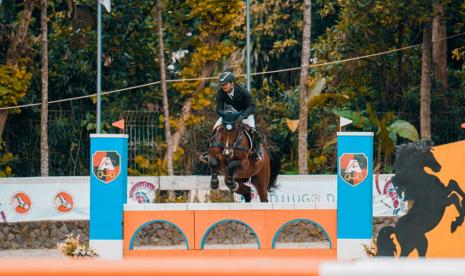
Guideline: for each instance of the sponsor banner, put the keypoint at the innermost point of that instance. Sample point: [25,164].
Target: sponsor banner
[386,201]
[50,198]
[67,198]
[142,189]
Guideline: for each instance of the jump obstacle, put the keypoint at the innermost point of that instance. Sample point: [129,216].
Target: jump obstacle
[114,225]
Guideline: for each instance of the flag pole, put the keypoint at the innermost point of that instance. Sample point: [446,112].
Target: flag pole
[99,64]
[248,47]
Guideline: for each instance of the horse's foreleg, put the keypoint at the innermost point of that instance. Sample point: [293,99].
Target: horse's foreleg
[245,191]
[453,186]
[213,163]
[229,179]
[454,199]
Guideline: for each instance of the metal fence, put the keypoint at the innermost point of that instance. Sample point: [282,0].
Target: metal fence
[69,140]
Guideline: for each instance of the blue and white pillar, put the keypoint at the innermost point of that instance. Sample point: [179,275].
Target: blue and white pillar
[108,193]
[354,193]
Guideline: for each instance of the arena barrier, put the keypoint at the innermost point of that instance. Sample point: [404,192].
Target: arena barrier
[231,266]
[114,224]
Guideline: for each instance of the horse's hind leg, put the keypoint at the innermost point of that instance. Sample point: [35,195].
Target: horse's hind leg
[260,181]
[422,246]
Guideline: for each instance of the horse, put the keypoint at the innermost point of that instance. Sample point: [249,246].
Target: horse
[229,154]
[430,198]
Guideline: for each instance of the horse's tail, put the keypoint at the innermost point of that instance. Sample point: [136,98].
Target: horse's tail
[384,242]
[275,167]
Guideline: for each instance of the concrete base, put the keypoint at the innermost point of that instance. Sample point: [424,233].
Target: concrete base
[108,249]
[351,249]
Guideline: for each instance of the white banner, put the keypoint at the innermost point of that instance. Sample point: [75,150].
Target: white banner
[44,198]
[386,201]
[67,198]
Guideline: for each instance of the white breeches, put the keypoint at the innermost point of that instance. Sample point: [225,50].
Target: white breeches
[250,121]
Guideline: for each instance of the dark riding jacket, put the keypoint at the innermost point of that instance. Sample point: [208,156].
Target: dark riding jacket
[241,101]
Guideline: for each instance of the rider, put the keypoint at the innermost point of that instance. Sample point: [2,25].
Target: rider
[231,96]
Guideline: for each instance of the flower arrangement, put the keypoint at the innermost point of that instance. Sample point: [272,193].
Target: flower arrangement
[371,249]
[71,247]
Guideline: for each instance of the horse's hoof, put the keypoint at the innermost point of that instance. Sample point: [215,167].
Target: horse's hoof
[232,185]
[453,227]
[214,183]
[455,224]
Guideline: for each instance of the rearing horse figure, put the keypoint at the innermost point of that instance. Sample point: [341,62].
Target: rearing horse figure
[430,198]
[229,154]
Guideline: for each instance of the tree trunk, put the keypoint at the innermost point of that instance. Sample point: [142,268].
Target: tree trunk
[425,89]
[44,108]
[19,39]
[169,141]
[303,109]
[439,45]
[3,117]
[17,48]
[207,70]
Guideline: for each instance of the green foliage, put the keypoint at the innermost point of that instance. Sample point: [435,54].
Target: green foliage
[14,83]
[379,94]
[6,160]
[403,129]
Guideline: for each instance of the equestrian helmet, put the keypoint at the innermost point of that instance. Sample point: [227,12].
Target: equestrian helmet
[226,77]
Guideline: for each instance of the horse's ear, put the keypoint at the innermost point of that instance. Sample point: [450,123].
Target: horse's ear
[430,143]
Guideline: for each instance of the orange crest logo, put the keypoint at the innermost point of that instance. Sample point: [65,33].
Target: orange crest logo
[353,168]
[106,165]
[21,203]
[64,202]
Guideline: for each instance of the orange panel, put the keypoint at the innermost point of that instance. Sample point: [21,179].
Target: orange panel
[205,266]
[275,219]
[205,219]
[441,242]
[135,219]
[330,254]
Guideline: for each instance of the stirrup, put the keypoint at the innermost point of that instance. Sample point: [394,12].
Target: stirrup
[204,158]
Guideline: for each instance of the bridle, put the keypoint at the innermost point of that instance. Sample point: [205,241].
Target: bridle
[230,146]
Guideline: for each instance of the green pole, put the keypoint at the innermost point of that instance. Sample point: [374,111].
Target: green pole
[248,47]
[99,65]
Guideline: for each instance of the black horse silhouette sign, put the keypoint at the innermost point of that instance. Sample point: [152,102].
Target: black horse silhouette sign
[416,180]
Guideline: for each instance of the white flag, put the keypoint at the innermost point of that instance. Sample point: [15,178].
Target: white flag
[344,121]
[106,4]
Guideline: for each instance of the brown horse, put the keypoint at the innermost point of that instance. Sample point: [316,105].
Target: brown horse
[229,154]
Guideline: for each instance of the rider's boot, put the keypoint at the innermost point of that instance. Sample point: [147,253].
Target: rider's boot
[204,157]
[257,151]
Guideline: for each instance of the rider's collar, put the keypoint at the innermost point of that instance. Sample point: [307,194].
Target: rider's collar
[231,94]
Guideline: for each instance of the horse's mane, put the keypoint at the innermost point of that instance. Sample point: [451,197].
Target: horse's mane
[420,146]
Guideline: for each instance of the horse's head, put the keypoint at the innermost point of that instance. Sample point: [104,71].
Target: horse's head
[230,132]
[415,156]
[411,161]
